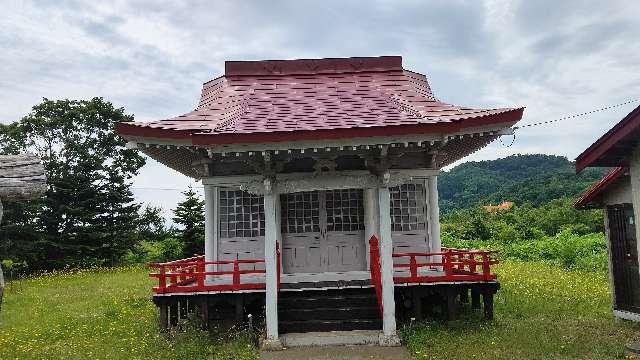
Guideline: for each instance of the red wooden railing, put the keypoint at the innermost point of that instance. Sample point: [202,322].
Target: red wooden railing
[189,275]
[449,265]
[374,267]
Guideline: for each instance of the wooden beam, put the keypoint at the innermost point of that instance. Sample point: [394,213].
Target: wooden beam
[21,177]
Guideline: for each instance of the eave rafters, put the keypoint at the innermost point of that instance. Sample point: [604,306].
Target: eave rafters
[194,159]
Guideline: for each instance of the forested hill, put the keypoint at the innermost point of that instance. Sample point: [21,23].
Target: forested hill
[534,178]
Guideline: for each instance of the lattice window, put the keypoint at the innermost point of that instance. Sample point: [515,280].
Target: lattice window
[345,210]
[300,212]
[241,214]
[407,207]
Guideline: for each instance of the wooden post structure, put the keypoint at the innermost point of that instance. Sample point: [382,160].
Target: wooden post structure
[272,341]
[434,215]
[210,228]
[389,335]
[22,177]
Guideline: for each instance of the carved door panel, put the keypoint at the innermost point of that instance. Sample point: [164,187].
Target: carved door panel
[323,231]
[302,243]
[344,232]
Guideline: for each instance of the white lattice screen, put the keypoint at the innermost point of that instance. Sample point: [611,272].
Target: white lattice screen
[407,207]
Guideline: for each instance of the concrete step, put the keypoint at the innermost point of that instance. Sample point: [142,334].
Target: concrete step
[354,337]
[301,326]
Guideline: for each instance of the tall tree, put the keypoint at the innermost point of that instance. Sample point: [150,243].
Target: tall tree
[152,225]
[189,214]
[87,215]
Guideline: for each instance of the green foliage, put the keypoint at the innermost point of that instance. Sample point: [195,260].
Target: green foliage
[13,269]
[534,179]
[189,214]
[581,252]
[524,222]
[151,224]
[147,251]
[555,232]
[87,216]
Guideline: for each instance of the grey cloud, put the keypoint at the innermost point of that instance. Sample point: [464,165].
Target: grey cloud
[557,57]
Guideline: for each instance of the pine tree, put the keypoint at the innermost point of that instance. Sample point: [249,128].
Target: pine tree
[189,214]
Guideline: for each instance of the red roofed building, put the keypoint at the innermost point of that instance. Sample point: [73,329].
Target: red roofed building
[618,193]
[306,164]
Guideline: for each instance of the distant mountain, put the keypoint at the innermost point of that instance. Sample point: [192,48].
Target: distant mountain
[534,178]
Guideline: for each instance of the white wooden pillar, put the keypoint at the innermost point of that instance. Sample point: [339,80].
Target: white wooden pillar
[371,224]
[434,214]
[210,226]
[272,342]
[389,335]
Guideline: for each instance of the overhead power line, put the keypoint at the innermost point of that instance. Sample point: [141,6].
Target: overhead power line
[578,115]
[165,188]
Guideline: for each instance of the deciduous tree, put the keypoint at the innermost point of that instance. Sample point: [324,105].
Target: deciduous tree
[87,215]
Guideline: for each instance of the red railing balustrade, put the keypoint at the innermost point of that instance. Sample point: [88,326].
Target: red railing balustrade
[446,266]
[190,275]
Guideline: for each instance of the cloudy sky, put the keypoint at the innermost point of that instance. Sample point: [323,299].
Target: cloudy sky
[555,57]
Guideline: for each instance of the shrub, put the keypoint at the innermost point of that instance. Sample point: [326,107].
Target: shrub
[566,249]
[154,251]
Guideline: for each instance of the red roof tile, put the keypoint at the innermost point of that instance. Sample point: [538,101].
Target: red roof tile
[276,100]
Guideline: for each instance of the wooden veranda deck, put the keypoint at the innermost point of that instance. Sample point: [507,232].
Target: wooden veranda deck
[197,276]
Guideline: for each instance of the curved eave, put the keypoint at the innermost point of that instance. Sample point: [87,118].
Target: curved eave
[592,197]
[133,129]
[595,155]
[506,118]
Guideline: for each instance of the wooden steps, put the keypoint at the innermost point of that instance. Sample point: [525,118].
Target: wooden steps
[328,310]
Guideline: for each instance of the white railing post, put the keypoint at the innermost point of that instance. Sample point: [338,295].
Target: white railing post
[389,335]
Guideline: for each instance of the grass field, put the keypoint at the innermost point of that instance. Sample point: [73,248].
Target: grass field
[98,314]
[542,312]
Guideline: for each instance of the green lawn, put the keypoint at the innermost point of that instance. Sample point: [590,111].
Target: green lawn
[99,314]
[542,312]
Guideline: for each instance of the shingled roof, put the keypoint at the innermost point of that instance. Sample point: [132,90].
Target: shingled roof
[614,148]
[292,100]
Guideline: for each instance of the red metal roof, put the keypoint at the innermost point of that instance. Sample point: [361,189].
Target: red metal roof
[592,196]
[289,100]
[614,147]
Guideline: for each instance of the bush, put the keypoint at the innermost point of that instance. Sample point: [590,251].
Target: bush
[566,249]
[154,251]
[554,232]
